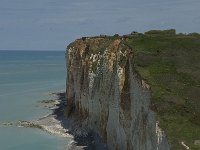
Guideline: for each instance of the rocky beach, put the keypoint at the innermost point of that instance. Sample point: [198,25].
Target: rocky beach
[56,123]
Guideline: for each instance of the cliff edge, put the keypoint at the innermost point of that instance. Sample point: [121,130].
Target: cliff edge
[126,89]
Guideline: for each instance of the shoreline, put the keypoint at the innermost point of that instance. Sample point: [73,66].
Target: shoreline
[81,138]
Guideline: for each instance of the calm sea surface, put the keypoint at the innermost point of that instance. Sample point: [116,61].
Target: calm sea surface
[27,77]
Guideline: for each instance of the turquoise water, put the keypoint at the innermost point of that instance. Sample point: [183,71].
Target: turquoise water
[27,77]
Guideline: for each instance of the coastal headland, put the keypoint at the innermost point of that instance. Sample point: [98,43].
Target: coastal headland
[138,91]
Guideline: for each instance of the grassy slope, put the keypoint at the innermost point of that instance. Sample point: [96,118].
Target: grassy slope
[171,64]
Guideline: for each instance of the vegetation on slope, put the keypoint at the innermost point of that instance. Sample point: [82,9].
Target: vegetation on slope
[170,63]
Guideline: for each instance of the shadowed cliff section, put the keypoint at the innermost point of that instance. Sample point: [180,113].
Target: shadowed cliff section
[108,89]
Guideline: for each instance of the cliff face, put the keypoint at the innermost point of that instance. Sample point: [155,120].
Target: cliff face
[107,94]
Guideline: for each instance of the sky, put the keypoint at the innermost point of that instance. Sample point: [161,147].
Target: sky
[53,24]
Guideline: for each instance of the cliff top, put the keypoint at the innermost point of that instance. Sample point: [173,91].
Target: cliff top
[170,63]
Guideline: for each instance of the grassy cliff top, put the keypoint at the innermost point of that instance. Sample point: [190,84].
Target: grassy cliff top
[170,63]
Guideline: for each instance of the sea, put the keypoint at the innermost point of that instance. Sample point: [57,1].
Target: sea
[26,78]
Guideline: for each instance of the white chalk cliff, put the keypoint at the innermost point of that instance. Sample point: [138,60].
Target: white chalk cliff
[109,96]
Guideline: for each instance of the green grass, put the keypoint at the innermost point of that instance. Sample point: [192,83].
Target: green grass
[171,65]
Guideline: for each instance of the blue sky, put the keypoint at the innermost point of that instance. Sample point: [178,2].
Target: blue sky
[53,24]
